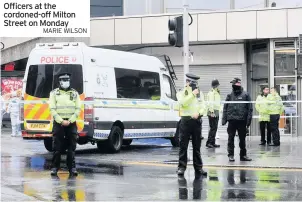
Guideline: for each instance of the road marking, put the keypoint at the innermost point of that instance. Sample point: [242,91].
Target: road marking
[158,164]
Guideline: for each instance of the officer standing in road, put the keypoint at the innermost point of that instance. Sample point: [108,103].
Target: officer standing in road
[214,108]
[275,109]
[190,112]
[239,116]
[264,118]
[65,107]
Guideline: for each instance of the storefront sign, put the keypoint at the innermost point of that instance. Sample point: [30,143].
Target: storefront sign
[8,85]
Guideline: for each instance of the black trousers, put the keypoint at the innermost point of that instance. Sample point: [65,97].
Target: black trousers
[213,122]
[240,127]
[274,123]
[265,125]
[200,121]
[64,137]
[190,128]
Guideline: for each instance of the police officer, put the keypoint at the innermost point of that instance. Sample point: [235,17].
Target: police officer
[214,107]
[190,111]
[264,118]
[64,103]
[239,116]
[275,109]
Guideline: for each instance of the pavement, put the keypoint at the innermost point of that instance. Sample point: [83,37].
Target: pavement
[145,170]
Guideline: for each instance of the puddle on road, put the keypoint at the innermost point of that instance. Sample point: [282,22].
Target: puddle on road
[106,181]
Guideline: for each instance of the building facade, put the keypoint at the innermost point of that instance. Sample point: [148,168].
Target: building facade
[258,45]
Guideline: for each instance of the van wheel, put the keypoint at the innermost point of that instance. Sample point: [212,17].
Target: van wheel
[114,142]
[175,140]
[127,142]
[48,144]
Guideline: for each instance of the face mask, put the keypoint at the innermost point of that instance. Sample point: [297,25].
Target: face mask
[65,84]
[236,88]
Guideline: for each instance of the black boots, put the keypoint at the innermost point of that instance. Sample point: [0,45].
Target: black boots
[231,158]
[72,172]
[54,172]
[243,158]
[199,172]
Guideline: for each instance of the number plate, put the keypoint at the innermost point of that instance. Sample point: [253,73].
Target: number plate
[37,126]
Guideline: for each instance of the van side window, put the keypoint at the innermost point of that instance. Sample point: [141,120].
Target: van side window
[137,84]
[169,88]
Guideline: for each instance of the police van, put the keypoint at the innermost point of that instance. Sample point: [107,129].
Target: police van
[124,95]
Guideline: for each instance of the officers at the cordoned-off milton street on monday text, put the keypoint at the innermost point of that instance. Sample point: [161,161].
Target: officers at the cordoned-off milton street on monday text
[65,107]
[190,110]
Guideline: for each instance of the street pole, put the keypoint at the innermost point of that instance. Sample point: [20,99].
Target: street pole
[266,3]
[232,4]
[185,39]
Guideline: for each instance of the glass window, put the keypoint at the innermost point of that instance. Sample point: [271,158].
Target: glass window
[39,80]
[285,62]
[44,78]
[286,88]
[260,65]
[299,64]
[137,84]
[169,88]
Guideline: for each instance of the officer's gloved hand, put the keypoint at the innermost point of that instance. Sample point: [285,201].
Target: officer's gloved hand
[247,131]
[224,122]
[248,124]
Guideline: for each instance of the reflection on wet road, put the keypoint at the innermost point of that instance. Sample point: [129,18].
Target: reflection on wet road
[27,172]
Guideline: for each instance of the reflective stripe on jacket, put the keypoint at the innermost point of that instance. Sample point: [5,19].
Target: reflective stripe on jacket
[261,107]
[275,105]
[189,103]
[64,105]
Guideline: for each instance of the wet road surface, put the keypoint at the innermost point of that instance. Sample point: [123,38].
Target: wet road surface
[134,175]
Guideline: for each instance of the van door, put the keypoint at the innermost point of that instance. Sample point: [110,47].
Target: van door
[169,95]
[100,85]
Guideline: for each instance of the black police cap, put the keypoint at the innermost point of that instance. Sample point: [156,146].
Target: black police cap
[192,77]
[235,80]
[64,75]
[215,83]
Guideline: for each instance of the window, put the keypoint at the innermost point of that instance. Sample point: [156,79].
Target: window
[284,62]
[44,78]
[137,84]
[299,64]
[169,88]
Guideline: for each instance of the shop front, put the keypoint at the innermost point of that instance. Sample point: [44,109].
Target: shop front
[277,63]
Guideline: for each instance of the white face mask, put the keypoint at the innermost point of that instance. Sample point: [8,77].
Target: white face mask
[65,84]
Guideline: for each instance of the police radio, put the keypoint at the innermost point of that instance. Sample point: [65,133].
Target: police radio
[193,85]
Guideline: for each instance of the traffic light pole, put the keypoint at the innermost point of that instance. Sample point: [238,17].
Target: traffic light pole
[185,38]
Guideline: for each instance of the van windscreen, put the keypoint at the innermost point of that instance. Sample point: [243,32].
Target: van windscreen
[42,79]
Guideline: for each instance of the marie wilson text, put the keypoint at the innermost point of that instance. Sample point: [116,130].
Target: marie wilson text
[64,30]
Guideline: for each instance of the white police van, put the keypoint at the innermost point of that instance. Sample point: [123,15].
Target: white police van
[125,95]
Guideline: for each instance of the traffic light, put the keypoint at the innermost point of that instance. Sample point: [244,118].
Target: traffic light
[176,27]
